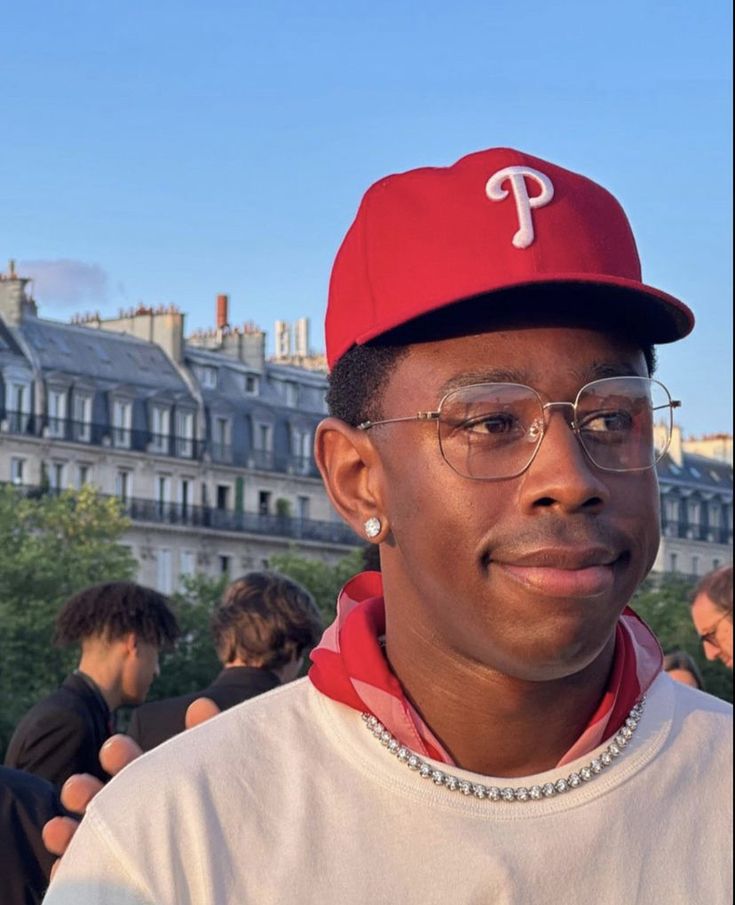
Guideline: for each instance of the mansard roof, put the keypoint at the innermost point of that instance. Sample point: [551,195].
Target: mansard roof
[696,473]
[110,359]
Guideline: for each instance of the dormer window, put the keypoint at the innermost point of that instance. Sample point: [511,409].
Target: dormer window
[82,417]
[207,376]
[122,423]
[160,428]
[251,385]
[57,413]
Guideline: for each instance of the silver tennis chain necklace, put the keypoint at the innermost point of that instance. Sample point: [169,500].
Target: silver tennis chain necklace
[509,794]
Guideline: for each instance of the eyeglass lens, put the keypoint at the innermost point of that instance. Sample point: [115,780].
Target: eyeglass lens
[494,430]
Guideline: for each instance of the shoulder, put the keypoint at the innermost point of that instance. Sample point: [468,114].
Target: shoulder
[29,794]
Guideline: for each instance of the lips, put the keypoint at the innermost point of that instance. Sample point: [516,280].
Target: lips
[562,572]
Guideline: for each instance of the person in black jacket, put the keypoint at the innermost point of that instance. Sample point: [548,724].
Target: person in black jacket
[26,803]
[121,626]
[262,627]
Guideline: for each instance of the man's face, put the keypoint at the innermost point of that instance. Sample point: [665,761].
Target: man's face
[139,671]
[524,575]
[711,621]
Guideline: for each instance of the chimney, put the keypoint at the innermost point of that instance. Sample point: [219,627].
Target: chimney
[222,315]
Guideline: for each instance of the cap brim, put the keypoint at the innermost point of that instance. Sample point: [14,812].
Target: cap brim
[644,312]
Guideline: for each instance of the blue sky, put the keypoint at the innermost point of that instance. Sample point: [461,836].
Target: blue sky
[166,152]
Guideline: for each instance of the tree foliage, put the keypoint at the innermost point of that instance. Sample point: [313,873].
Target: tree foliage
[664,604]
[51,546]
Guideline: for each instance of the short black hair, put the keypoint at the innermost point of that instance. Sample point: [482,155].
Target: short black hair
[265,616]
[113,610]
[359,378]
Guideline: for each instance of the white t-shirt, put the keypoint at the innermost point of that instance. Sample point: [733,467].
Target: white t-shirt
[288,798]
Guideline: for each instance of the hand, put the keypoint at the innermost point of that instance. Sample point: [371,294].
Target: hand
[116,753]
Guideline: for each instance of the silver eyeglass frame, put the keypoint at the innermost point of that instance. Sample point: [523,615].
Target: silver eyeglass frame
[435,415]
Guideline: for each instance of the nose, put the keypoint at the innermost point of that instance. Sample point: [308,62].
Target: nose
[711,651]
[561,477]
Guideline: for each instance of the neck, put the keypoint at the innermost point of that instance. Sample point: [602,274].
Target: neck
[491,723]
[106,677]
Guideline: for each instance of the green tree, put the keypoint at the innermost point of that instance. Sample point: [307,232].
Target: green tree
[664,604]
[51,546]
[321,579]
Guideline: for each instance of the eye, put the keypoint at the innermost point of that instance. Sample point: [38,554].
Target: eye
[500,425]
[613,421]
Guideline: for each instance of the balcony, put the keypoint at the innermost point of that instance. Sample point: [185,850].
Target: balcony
[92,433]
[209,517]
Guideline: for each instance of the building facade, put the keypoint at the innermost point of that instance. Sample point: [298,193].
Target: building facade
[209,445]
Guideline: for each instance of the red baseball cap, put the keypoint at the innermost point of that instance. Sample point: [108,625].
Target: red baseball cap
[495,220]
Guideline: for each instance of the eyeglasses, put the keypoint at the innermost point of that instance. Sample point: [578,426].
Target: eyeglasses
[492,431]
[710,637]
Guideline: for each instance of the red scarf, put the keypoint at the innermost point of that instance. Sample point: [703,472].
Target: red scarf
[349,666]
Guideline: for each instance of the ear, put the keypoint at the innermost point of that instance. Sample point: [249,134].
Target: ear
[130,643]
[352,473]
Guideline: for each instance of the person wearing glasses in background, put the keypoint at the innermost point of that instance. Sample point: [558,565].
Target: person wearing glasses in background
[486,720]
[712,614]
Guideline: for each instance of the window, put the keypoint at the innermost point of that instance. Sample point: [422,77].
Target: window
[123,485]
[55,474]
[292,394]
[673,562]
[263,437]
[56,413]
[82,417]
[17,471]
[185,434]
[695,565]
[83,472]
[223,496]
[304,506]
[207,376]
[163,493]
[221,445]
[18,405]
[251,385]
[122,422]
[224,565]
[188,560]
[264,502]
[160,429]
[164,575]
[184,495]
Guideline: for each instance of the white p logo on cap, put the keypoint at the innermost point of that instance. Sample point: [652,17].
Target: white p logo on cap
[524,204]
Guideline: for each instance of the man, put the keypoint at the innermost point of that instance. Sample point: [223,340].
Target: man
[26,804]
[120,626]
[712,614]
[488,722]
[261,628]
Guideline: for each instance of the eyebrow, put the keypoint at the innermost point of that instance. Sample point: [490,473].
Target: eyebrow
[597,371]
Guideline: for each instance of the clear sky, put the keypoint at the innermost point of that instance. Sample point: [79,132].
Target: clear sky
[166,151]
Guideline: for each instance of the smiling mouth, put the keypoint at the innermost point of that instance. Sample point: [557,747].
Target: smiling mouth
[562,573]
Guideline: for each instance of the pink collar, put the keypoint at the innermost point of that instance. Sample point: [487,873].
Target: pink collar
[349,666]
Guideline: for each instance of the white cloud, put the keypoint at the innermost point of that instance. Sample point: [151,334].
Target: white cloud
[65,282]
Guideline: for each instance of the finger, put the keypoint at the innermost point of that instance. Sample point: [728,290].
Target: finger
[200,711]
[57,834]
[78,791]
[117,752]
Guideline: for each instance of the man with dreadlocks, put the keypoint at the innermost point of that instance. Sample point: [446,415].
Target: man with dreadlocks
[120,626]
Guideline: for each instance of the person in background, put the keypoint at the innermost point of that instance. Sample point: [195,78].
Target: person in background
[681,667]
[712,614]
[262,627]
[121,627]
[26,803]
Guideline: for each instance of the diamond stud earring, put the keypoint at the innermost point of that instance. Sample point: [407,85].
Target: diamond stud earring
[372,526]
